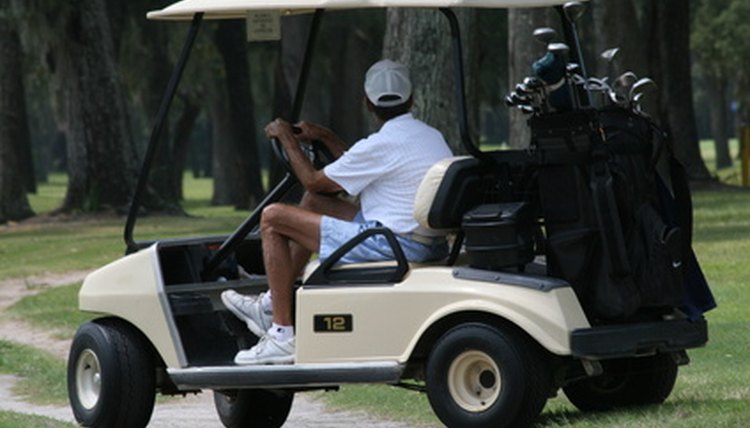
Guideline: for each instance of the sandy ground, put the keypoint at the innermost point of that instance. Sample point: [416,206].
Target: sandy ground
[193,411]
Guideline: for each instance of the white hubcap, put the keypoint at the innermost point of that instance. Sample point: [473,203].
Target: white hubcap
[88,379]
[474,381]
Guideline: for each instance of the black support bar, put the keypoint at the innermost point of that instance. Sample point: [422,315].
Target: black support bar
[153,142]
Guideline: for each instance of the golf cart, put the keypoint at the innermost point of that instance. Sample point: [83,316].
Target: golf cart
[514,314]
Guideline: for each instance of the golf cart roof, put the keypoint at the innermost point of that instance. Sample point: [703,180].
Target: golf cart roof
[232,9]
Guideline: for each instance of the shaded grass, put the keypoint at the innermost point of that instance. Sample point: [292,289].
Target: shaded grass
[66,243]
[54,310]
[42,375]
[17,420]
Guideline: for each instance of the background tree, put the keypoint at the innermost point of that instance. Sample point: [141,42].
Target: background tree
[724,62]
[523,50]
[90,102]
[421,40]
[289,56]
[239,164]
[356,43]
[14,132]
[671,37]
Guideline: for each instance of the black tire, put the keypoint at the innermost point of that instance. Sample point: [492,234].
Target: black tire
[253,408]
[111,377]
[481,376]
[625,383]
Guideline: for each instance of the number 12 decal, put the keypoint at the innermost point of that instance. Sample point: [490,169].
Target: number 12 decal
[333,323]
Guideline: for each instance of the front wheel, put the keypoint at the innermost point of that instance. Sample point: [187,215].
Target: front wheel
[111,378]
[626,383]
[253,408]
[481,376]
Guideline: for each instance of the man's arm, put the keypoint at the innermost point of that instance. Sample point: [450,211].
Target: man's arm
[311,132]
[312,180]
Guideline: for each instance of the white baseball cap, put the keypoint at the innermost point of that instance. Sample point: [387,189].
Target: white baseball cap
[387,83]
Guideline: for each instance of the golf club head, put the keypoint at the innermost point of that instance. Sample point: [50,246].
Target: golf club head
[610,54]
[626,80]
[618,99]
[545,35]
[533,83]
[573,10]
[509,101]
[522,89]
[642,86]
[519,99]
[527,109]
[596,84]
[558,48]
[573,68]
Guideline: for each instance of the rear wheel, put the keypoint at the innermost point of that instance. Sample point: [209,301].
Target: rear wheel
[253,408]
[626,383]
[111,380]
[481,376]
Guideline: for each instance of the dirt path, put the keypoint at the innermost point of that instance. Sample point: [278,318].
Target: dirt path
[191,412]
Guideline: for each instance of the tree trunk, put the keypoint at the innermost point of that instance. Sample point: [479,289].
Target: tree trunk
[165,180]
[225,179]
[347,92]
[14,131]
[523,50]
[230,40]
[101,164]
[421,40]
[617,26]
[295,30]
[183,129]
[717,96]
[672,30]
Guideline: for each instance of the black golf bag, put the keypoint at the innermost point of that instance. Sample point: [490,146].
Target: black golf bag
[607,196]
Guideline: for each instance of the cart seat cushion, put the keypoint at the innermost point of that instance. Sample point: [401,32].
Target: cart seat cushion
[450,188]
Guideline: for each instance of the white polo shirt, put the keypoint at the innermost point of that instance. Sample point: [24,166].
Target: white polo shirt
[386,168]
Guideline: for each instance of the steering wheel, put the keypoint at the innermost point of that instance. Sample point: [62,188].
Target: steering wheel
[280,154]
[316,151]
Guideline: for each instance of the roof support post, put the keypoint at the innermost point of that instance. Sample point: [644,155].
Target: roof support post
[153,141]
[458,61]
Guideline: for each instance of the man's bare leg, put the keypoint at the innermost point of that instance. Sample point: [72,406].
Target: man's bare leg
[331,206]
[280,225]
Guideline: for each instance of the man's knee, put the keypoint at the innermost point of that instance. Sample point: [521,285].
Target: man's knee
[271,216]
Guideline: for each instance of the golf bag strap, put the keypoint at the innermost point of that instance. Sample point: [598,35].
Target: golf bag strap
[605,206]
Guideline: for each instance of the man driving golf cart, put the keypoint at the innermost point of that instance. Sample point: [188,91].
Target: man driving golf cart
[384,170]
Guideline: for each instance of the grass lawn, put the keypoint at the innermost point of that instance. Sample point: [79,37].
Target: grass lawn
[712,391]
[42,376]
[15,420]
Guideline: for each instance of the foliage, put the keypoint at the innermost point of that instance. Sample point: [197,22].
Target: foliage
[719,32]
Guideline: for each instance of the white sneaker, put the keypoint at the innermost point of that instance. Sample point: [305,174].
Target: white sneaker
[267,351]
[248,309]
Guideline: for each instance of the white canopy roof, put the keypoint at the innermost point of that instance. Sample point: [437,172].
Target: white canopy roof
[228,9]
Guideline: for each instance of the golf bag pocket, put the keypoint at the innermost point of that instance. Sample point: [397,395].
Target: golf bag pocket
[570,255]
[656,258]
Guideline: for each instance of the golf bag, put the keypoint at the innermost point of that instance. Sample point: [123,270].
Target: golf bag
[608,232]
